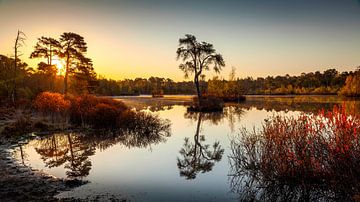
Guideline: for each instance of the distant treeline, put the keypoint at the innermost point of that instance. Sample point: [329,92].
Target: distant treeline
[29,82]
[144,86]
[328,82]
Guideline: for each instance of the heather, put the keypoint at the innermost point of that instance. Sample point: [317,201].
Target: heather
[309,157]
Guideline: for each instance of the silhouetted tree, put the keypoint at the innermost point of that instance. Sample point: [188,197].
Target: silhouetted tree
[197,57]
[73,50]
[6,75]
[85,76]
[47,76]
[46,47]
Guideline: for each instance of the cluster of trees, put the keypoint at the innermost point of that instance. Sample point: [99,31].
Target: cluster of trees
[71,48]
[29,82]
[18,80]
[327,82]
[228,90]
[352,85]
[26,82]
[143,86]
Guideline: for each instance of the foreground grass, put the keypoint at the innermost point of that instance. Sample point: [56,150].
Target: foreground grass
[311,157]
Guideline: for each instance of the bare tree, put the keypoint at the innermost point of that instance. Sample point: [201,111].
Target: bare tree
[19,42]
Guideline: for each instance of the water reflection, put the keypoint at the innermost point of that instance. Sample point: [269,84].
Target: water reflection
[197,156]
[68,150]
[143,136]
[19,151]
[232,113]
[301,103]
[72,150]
[269,103]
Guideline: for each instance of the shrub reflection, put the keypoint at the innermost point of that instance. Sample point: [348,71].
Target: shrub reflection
[72,150]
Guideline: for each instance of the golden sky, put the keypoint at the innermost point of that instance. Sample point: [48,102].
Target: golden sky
[128,39]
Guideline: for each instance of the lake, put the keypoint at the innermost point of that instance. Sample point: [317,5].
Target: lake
[190,162]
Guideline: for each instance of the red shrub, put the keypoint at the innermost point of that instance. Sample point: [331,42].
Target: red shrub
[51,103]
[319,149]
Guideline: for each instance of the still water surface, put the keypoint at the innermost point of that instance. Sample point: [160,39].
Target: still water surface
[188,163]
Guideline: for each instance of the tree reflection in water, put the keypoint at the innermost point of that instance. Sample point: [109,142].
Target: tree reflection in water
[198,157]
[74,149]
[232,113]
[66,149]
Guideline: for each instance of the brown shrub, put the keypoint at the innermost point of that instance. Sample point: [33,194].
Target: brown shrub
[96,112]
[103,115]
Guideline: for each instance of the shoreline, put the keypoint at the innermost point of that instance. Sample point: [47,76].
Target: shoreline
[23,183]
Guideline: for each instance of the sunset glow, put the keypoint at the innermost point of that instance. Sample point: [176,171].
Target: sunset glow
[129,39]
[59,65]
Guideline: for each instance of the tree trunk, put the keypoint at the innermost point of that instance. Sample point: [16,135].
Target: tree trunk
[50,59]
[66,73]
[196,81]
[65,82]
[196,139]
[13,93]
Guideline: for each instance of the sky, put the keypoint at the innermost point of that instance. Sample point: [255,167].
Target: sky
[139,38]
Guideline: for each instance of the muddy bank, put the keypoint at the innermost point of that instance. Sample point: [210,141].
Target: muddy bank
[22,183]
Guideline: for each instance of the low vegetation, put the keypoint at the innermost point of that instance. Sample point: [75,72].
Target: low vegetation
[95,112]
[228,91]
[52,104]
[311,157]
[207,104]
[53,111]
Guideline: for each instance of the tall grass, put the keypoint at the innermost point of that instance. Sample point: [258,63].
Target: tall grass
[309,157]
